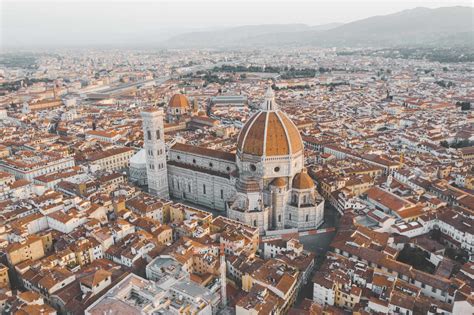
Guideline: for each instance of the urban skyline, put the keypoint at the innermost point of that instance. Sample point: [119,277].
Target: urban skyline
[250,162]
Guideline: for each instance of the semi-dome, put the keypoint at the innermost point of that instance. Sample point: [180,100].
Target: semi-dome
[302,181]
[278,182]
[269,132]
[179,101]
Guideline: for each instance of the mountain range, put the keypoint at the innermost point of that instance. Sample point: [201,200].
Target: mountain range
[448,26]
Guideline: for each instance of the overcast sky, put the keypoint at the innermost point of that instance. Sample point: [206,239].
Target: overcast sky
[65,23]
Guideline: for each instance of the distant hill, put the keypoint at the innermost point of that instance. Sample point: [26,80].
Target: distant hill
[410,27]
[415,27]
[245,35]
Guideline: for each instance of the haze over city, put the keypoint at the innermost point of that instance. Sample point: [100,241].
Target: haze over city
[236,157]
[148,23]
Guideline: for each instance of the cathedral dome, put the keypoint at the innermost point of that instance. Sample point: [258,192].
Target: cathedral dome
[302,181]
[269,133]
[179,101]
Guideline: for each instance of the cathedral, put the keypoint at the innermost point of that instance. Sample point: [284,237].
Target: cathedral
[264,184]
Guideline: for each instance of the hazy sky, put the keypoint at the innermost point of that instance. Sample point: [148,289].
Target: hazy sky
[66,23]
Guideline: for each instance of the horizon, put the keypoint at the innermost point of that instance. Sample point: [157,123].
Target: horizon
[67,24]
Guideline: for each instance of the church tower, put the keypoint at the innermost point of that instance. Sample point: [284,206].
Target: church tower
[154,142]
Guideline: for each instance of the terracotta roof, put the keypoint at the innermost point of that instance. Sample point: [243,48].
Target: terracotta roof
[93,279]
[302,181]
[204,151]
[279,182]
[270,133]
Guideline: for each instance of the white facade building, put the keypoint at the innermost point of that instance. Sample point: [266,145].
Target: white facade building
[264,185]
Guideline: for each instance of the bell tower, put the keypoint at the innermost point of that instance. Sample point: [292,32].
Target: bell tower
[154,143]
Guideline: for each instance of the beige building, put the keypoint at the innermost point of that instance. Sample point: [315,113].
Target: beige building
[112,159]
[4,279]
[31,249]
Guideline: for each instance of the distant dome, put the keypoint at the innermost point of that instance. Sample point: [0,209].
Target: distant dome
[269,132]
[302,181]
[179,101]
